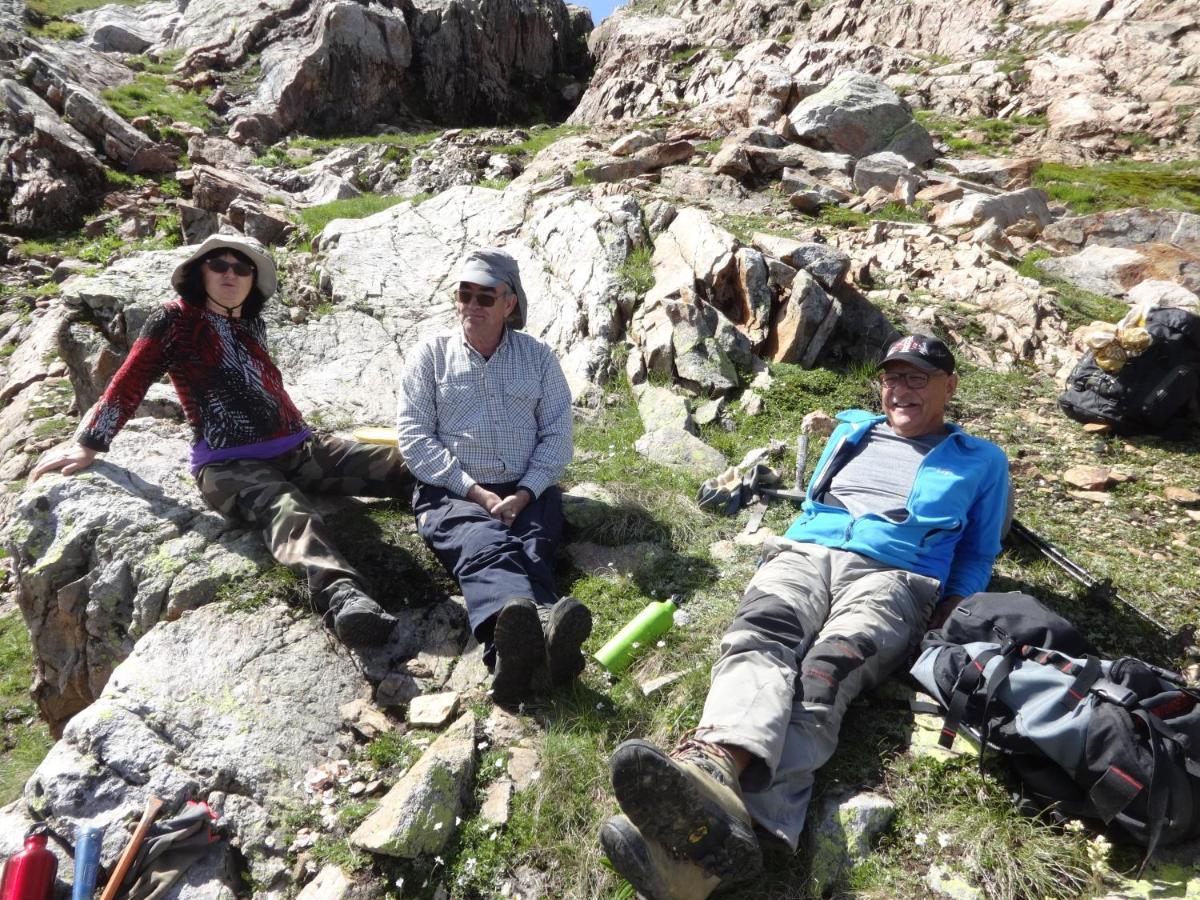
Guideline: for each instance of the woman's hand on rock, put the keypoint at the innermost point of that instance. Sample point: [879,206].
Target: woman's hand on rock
[69,459]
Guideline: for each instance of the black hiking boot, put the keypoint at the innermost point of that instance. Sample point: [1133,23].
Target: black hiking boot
[646,864]
[690,802]
[356,619]
[520,650]
[567,625]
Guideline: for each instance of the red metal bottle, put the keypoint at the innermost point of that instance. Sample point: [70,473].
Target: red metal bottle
[29,875]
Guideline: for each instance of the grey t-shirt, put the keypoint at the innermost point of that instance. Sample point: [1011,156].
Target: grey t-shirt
[878,476]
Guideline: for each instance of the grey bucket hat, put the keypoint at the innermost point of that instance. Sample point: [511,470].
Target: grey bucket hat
[264,275]
[491,267]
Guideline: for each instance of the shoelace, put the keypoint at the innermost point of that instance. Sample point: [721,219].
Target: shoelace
[713,758]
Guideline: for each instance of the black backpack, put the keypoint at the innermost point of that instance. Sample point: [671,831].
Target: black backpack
[1150,389]
[1115,741]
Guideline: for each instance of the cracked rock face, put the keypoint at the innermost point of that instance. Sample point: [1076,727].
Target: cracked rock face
[390,277]
[229,706]
[105,554]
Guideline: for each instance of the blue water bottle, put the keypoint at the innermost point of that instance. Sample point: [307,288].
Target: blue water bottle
[87,861]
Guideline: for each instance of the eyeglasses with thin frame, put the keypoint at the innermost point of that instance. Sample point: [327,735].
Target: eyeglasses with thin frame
[221,266]
[487,301]
[914,380]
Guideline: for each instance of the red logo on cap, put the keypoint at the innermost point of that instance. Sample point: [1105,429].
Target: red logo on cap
[908,344]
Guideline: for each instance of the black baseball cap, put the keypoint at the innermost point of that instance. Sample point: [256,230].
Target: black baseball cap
[923,351]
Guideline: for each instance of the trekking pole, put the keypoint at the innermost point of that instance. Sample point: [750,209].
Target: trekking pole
[1101,588]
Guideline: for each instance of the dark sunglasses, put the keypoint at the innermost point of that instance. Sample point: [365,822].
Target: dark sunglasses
[221,266]
[487,301]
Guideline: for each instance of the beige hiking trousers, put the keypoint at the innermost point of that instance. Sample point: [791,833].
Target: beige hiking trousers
[815,628]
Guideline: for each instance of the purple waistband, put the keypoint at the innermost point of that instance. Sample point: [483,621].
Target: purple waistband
[202,454]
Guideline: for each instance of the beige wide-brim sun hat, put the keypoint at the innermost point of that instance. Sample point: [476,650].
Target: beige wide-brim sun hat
[265,276]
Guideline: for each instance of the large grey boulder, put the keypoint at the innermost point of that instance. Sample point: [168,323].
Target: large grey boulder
[660,407]
[357,54]
[858,115]
[49,175]
[1026,205]
[884,170]
[677,449]
[803,324]
[124,29]
[420,814]
[104,555]
[569,251]
[225,706]
[1126,228]
[341,66]
[1099,269]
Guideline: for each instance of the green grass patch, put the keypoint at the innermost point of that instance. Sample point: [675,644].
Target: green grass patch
[978,134]
[1079,307]
[163,64]
[902,212]
[59,30]
[1123,183]
[793,394]
[277,583]
[637,273]
[150,94]
[537,141]
[60,8]
[685,55]
[24,745]
[101,249]
[948,814]
[412,140]
[315,218]
[840,217]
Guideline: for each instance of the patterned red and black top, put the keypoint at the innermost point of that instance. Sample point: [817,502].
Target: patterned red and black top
[230,390]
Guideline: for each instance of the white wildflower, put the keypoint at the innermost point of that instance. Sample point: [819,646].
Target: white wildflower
[920,838]
[944,840]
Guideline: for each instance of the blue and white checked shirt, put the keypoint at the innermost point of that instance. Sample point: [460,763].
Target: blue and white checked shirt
[467,420]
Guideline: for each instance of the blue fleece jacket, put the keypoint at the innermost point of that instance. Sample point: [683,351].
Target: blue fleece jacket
[956,509]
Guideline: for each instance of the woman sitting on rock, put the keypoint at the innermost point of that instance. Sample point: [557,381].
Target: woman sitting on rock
[253,456]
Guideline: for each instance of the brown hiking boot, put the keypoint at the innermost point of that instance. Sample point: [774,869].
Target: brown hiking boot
[646,864]
[690,802]
[520,650]
[567,625]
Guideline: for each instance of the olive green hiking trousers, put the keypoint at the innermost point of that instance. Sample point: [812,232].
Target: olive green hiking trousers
[273,494]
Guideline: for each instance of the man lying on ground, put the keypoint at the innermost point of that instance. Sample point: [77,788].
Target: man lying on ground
[485,426]
[903,518]
[253,456]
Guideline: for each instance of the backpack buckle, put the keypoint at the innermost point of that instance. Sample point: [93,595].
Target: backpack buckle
[1115,693]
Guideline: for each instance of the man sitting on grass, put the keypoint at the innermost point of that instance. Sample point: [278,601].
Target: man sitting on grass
[903,518]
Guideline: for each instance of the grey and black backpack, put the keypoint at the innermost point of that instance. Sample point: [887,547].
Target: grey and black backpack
[1116,741]
[1151,390]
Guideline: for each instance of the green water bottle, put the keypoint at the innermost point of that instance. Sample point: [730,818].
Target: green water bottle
[656,619]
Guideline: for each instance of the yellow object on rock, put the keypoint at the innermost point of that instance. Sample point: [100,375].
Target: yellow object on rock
[375,434]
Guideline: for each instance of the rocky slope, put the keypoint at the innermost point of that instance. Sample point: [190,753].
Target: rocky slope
[743,188]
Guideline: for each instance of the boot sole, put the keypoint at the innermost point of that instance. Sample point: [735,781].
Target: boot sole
[667,806]
[520,649]
[569,629]
[366,629]
[629,858]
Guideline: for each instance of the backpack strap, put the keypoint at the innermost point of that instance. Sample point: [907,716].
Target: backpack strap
[1159,786]
[1009,655]
[968,680]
